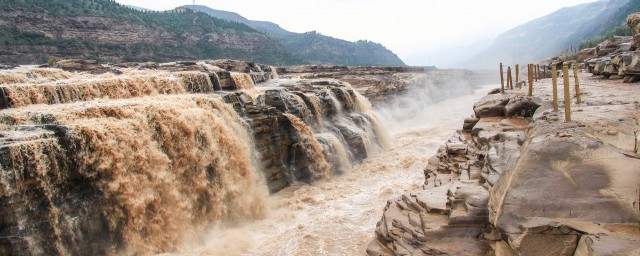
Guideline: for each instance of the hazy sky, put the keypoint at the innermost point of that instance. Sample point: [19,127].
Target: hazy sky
[421,32]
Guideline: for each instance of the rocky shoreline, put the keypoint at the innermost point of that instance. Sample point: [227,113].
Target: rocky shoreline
[516,180]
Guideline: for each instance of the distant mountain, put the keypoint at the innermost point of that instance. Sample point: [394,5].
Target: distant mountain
[553,33]
[264,26]
[315,47]
[32,31]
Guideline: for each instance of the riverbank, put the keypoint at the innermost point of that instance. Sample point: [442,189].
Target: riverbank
[532,185]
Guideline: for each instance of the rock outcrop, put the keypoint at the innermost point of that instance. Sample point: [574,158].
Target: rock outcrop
[615,58]
[449,215]
[527,186]
[634,24]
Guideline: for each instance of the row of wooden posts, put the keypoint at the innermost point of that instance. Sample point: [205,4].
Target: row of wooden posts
[534,73]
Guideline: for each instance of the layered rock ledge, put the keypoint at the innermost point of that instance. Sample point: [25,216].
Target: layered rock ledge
[134,158]
[518,180]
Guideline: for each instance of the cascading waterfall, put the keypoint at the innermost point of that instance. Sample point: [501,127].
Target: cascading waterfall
[311,148]
[152,171]
[242,81]
[336,151]
[114,87]
[137,163]
[196,82]
[34,75]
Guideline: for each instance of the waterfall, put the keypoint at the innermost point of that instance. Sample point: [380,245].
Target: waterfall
[56,93]
[137,161]
[196,82]
[335,152]
[241,81]
[136,174]
[308,151]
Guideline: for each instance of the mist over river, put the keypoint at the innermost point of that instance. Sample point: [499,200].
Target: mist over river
[338,216]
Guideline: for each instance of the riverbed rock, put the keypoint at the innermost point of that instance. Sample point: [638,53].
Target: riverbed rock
[450,213]
[492,105]
[555,188]
[469,123]
[522,106]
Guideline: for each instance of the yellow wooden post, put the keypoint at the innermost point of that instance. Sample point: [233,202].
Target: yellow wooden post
[567,96]
[501,78]
[530,73]
[575,75]
[511,78]
[517,73]
[554,79]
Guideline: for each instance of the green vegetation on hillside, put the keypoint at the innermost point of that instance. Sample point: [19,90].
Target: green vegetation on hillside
[190,35]
[622,30]
[613,25]
[180,22]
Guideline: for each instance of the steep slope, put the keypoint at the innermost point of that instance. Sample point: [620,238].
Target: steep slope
[316,48]
[558,31]
[31,31]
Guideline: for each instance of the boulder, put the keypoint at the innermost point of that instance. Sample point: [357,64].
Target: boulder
[469,123]
[522,106]
[586,54]
[632,64]
[491,106]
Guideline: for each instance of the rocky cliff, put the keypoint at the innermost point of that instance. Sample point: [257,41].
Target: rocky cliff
[508,185]
[135,157]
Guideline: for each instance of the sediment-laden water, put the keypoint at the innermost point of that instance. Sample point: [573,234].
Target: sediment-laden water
[180,159]
[338,216]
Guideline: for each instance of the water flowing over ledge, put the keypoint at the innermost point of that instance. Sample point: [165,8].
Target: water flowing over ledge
[135,159]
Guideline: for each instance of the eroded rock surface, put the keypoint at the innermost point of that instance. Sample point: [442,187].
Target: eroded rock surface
[509,186]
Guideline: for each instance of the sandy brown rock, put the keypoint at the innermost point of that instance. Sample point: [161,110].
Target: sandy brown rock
[554,188]
[634,23]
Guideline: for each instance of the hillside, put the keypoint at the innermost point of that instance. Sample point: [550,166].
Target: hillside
[32,31]
[553,33]
[314,47]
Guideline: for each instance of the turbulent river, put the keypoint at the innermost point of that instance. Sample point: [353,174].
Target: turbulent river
[338,216]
